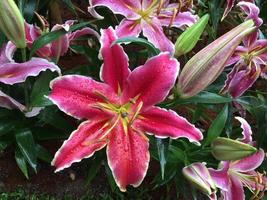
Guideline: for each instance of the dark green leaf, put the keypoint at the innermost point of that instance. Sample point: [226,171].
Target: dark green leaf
[40,90]
[217,125]
[94,169]
[27,147]
[21,162]
[43,154]
[140,41]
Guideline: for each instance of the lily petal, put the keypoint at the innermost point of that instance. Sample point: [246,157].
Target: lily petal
[243,80]
[11,73]
[128,156]
[10,103]
[252,12]
[220,177]
[166,123]
[115,67]
[249,163]
[229,6]
[78,96]
[6,53]
[128,28]
[247,132]
[82,32]
[82,143]
[235,190]
[182,19]
[152,81]
[126,8]
[153,31]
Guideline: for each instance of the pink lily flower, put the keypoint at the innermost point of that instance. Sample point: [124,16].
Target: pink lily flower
[250,60]
[12,73]
[119,112]
[232,176]
[230,4]
[59,47]
[148,16]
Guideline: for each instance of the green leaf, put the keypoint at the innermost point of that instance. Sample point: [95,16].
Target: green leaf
[27,147]
[21,162]
[178,153]
[43,154]
[40,89]
[6,125]
[217,125]
[54,35]
[94,169]
[140,41]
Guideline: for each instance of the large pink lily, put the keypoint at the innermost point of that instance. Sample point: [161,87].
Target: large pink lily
[232,176]
[119,112]
[58,47]
[12,72]
[250,60]
[148,16]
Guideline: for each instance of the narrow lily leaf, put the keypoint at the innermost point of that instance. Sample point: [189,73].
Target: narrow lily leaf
[21,162]
[140,41]
[217,125]
[43,154]
[228,149]
[177,153]
[189,38]
[54,35]
[27,147]
[162,150]
[40,90]
[94,169]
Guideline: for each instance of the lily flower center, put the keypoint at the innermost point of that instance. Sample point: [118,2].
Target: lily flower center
[256,183]
[257,51]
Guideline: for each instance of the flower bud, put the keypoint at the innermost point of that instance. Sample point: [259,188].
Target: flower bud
[203,68]
[228,149]
[199,176]
[12,23]
[189,38]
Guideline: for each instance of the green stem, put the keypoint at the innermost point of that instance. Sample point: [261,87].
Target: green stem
[26,92]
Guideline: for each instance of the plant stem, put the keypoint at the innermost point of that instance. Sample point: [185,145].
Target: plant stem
[26,92]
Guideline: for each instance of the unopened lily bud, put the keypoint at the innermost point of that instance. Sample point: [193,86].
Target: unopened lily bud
[12,23]
[189,38]
[199,176]
[203,68]
[228,149]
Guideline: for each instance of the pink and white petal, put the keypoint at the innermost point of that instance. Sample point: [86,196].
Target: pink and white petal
[78,96]
[182,19]
[166,123]
[31,32]
[10,103]
[152,82]
[229,6]
[128,156]
[82,143]
[252,12]
[249,163]
[128,28]
[220,177]
[237,56]
[243,80]
[235,190]
[127,8]
[153,31]
[6,53]
[146,4]
[247,132]
[115,69]
[59,47]
[11,73]
[82,32]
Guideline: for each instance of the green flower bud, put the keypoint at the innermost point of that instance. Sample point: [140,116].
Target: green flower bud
[203,68]
[189,38]
[12,23]
[228,149]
